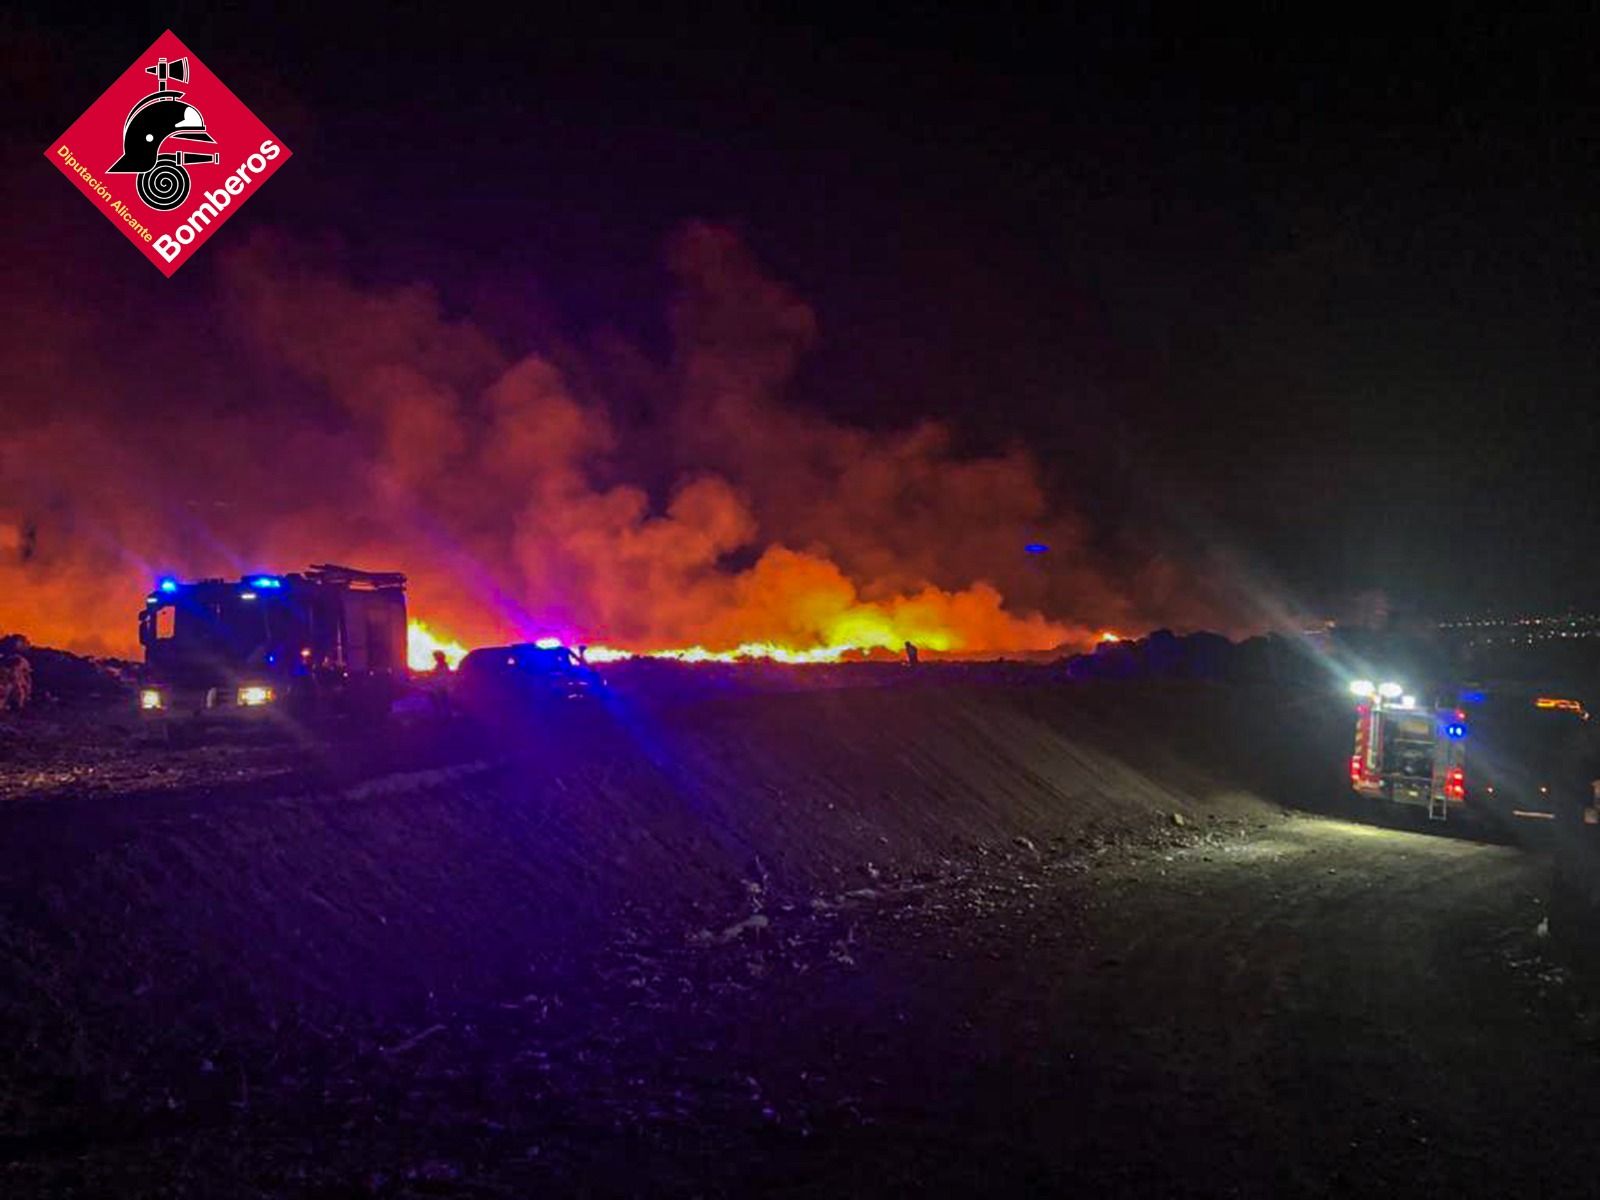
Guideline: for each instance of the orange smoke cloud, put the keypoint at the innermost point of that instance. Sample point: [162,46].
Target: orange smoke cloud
[517,499]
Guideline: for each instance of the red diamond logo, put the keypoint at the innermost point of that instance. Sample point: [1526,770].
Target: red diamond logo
[168,154]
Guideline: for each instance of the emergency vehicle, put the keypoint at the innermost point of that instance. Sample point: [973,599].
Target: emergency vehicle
[1499,753]
[330,640]
[497,683]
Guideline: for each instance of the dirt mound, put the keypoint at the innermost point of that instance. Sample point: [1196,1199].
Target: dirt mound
[60,677]
[208,911]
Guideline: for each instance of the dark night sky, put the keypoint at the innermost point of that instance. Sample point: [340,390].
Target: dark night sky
[1323,295]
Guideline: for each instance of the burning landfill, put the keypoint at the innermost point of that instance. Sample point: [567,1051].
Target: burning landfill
[675,507]
[505,708]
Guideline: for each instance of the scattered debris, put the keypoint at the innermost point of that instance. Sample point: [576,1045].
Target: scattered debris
[739,928]
[411,1043]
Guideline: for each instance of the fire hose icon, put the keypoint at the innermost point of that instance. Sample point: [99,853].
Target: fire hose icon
[163,182]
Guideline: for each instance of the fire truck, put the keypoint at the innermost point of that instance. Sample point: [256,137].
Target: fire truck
[1498,754]
[329,641]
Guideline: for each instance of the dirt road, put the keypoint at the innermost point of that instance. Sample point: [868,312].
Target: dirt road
[1316,1008]
[1302,1007]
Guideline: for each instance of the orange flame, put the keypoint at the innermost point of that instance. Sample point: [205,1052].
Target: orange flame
[421,642]
[744,652]
[798,608]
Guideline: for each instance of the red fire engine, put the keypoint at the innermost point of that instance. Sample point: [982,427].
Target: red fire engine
[1504,752]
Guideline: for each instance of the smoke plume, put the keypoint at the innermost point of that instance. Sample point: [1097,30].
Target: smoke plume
[520,497]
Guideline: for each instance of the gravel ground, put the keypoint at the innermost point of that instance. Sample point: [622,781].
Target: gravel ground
[1294,1006]
[857,942]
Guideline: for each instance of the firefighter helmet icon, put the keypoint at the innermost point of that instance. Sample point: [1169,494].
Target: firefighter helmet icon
[163,181]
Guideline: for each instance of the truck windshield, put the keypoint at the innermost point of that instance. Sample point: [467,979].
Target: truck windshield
[190,633]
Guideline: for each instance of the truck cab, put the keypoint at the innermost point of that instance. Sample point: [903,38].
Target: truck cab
[328,639]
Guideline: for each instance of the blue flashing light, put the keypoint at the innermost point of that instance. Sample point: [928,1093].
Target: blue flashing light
[266,581]
[1472,697]
[271,658]
[1455,731]
[1036,548]
[167,584]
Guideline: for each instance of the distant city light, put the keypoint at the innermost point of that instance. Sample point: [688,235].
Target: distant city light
[1526,629]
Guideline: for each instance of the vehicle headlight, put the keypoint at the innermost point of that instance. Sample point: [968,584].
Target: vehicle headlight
[254,697]
[149,698]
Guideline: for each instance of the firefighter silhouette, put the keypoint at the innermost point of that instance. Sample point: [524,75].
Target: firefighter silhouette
[163,182]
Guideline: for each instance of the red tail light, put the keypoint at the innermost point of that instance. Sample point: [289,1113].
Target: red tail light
[1455,784]
[1358,760]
